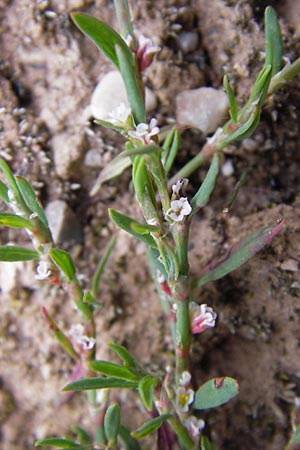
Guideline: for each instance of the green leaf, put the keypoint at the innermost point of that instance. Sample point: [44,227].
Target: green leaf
[112,370]
[134,89]
[30,199]
[112,421]
[14,221]
[172,152]
[261,86]
[233,109]
[101,266]
[4,192]
[58,443]
[61,338]
[105,37]
[123,354]
[127,224]
[64,262]
[144,189]
[144,228]
[128,441]
[113,169]
[13,253]
[202,196]
[13,183]
[243,131]
[273,40]
[124,20]
[150,426]
[146,391]
[241,253]
[206,444]
[100,383]
[215,392]
[82,436]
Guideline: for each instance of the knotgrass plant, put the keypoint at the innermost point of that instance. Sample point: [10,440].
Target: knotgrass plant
[175,407]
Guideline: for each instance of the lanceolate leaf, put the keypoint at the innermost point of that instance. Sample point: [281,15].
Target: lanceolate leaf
[127,224]
[3,192]
[14,221]
[123,354]
[112,424]
[30,199]
[58,443]
[64,262]
[128,441]
[233,109]
[146,391]
[82,436]
[101,267]
[215,392]
[12,253]
[202,196]
[113,370]
[12,181]
[100,383]
[273,40]
[150,426]
[241,253]
[105,37]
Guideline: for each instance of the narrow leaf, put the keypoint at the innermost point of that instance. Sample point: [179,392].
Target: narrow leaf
[261,86]
[144,228]
[202,196]
[240,253]
[13,183]
[12,253]
[134,88]
[101,266]
[100,383]
[82,436]
[173,151]
[206,444]
[58,443]
[112,370]
[14,221]
[215,392]
[146,391]
[123,354]
[233,109]
[113,169]
[273,40]
[124,20]
[30,199]
[150,426]
[4,192]
[105,37]
[112,421]
[128,441]
[127,224]
[61,338]
[64,262]
[243,131]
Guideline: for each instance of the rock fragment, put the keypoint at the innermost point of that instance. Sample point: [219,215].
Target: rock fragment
[64,225]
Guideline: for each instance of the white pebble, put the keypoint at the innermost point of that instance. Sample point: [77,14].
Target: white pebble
[204,108]
[110,93]
[227,169]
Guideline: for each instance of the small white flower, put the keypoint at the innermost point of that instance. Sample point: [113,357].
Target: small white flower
[194,426]
[179,209]
[180,185]
[202,317]
[184,398]
[119,115]
[185,378]
[43,271]
[145,132]
[84,342]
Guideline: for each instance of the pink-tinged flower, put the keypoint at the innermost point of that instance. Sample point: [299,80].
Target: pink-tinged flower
[184,398]
[179,187]
[145,132]
[145,52]
[179,209]
[202,317]
[83,342]
[194,426]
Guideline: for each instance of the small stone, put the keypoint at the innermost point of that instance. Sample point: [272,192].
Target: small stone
[204,108]
[64,225]
[188,41]
[9,276]
[68,152]
[290,265]
[93,158]
[227,169]
[110,93]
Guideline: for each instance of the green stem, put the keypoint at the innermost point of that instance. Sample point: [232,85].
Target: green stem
[182,433]
[289,72]
[189,168]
